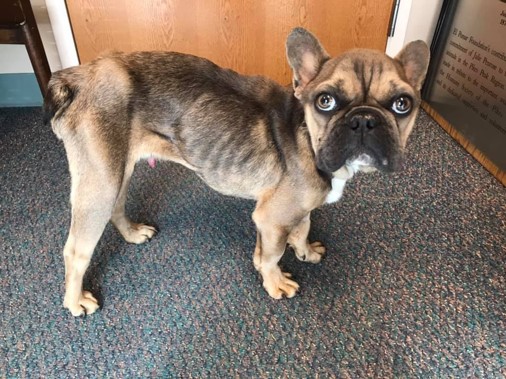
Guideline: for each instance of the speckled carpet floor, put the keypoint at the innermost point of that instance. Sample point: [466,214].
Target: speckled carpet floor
[414,284]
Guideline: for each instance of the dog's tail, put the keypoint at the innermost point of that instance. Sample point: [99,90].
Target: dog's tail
[59,96]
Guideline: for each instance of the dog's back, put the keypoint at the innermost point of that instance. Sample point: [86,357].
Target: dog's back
[155,84]
[236,131]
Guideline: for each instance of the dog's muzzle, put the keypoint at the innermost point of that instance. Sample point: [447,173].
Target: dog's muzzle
[364,139]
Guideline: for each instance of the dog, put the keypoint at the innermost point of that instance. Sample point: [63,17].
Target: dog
[291,148]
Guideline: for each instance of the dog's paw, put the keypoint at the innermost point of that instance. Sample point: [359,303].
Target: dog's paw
[279,284]
[138,233]
[86,305]
[313,254]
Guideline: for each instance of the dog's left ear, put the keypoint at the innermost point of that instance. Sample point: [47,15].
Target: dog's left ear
[414,58]
[305,56]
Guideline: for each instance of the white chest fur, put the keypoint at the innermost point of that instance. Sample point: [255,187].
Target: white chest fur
[341,176]
[337,190]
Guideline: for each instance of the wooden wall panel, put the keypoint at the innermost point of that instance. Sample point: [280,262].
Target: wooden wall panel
[246,35]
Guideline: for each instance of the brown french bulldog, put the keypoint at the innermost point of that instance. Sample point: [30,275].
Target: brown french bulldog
[290,149]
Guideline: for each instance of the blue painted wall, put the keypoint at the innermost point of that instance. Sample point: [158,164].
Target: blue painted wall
[19,90]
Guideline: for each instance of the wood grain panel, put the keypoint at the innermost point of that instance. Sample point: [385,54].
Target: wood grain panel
[246,35]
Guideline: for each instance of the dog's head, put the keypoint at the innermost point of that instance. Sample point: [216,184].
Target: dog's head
[359,107]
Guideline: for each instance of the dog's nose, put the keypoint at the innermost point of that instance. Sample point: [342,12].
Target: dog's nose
[363,121]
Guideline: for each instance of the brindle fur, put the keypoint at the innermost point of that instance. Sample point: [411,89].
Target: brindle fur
[244,136]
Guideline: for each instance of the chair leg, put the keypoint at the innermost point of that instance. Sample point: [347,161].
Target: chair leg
[37,56]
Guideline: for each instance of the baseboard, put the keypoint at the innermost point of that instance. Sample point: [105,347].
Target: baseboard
[19,90]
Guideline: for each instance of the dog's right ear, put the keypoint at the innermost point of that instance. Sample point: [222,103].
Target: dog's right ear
[305,56]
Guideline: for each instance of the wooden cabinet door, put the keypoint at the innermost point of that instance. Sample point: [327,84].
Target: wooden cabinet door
[245,35]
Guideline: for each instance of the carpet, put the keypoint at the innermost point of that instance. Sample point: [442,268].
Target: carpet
[413,285]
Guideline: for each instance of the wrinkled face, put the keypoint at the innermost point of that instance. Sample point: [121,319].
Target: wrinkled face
[361,106]
[359,109]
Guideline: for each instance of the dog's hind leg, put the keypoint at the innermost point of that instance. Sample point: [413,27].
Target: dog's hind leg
[305,251]
[132,232]
[92,204]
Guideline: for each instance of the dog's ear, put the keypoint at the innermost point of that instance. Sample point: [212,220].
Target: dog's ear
[305,56]
[414,58]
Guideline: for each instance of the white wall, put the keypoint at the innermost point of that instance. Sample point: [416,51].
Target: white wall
[423,19]
[417,19]
[64,38]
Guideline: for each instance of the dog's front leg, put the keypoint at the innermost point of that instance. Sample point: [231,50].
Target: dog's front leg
[305,251]
[271,243]
[132,232]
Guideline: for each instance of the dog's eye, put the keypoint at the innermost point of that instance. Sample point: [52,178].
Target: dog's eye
[402,105]
[326,102]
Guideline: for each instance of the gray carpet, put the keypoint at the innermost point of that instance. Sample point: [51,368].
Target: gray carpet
[414,284]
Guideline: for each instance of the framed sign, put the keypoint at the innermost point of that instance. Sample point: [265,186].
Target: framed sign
[465,89]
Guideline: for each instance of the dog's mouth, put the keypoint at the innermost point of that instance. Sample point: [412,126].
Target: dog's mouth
[365,162]
[362,162]
[383,155]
